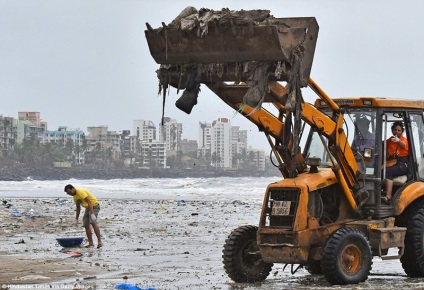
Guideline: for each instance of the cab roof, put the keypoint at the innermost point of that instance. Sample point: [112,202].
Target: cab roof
[373,102]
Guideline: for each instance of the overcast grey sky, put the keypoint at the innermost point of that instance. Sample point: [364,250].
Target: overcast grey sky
[86,62]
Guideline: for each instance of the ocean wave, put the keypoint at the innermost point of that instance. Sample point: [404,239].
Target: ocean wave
[220,188]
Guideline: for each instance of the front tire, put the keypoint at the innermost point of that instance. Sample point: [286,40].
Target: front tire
[347,257]
[241,256]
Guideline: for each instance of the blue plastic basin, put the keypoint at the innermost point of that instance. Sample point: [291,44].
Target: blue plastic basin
[70,242]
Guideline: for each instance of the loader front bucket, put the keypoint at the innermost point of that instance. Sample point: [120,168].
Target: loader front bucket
[228,45]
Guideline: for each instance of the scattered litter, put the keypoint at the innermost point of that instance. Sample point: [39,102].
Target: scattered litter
[74,253]
[130,250]
[21,241]
[131,287]
[32,277]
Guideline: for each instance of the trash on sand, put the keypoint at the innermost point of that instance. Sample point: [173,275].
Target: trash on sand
[74,253]
[127,287]
[32,277]
[131,287]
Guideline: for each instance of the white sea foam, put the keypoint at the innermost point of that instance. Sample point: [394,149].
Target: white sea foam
[220,188]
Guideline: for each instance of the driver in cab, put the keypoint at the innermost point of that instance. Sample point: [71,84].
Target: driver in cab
[363,137]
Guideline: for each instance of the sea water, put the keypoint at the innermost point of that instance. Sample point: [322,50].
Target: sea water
[220,188]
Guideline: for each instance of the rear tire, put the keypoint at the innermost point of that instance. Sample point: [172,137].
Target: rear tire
[241,256]
[413,257]
[347,257]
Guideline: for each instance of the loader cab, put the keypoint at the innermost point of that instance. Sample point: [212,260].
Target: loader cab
[361,129]
[367,129]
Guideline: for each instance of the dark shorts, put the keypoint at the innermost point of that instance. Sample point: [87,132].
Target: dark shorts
[396,170]
[86,217]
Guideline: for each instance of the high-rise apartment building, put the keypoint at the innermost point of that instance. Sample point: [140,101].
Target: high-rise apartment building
[258,158]
[130,147]
[7,135]
[238,139]
[144,130]
[170,134]
[204,141]
[221,150]
[153,154]
[224,144]
[238,144]
[205,135]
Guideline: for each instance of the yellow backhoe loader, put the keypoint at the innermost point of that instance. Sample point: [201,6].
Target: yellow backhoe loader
[327,212]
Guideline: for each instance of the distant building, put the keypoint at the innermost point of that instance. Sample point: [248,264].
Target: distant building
[205,137]
[170,134]
[221,143]
[130,147]
[258,158]
[102,145]
[64,136]
[153,154]
[188,146]
[238,144]
[144,130]
[7,135]
[24,128]
[29,124]
[33,117]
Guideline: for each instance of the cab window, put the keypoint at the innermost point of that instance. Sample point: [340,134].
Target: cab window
[417,131]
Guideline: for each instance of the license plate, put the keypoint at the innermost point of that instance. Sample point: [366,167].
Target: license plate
[281,207]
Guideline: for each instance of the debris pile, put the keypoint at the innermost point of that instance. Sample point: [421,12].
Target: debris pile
[207,46]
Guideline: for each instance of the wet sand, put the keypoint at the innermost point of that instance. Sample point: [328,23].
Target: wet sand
[161,244]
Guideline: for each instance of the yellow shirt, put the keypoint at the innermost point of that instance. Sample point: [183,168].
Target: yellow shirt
[81,194]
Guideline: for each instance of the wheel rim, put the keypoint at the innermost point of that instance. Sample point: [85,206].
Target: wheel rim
[350,259]
[250,255]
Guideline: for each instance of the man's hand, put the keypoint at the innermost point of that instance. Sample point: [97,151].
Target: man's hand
[395,139]
[93,218]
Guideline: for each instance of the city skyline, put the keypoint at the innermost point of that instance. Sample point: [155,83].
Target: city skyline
[132,133]
[220,144]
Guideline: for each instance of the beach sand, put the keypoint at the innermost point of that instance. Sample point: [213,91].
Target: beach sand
[156,244]
[161,244]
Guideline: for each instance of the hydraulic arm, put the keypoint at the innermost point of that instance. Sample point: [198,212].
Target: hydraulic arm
[345,166]
[242,56]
